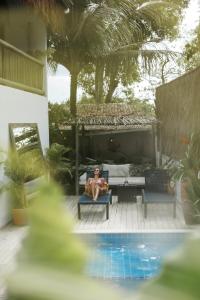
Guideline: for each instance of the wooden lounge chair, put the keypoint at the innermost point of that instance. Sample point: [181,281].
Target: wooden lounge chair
[105,199]
[156,189]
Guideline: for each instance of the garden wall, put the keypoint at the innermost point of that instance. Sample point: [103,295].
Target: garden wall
[178,110]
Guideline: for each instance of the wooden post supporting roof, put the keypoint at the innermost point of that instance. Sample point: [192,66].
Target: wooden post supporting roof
[77,158]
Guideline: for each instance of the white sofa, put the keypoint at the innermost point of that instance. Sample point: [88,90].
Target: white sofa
[118,175]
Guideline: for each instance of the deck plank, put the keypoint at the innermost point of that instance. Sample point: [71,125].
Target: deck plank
[126,217]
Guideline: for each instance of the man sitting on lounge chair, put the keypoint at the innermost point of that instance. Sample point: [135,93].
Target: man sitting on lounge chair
[96,186]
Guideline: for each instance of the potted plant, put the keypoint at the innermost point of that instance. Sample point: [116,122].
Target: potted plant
[188,172]
[19,169]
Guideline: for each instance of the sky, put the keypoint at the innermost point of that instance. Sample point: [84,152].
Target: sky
[59,83]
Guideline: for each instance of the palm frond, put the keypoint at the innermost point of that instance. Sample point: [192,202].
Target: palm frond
[151,4]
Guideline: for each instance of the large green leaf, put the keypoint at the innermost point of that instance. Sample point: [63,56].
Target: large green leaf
[180,276]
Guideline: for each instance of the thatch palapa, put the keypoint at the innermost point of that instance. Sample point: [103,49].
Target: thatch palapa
[113,115]
[105,115]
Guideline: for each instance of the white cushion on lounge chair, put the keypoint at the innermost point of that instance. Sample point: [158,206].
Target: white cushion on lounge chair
[116,180]
[136,180]
[131,180]
[117,170]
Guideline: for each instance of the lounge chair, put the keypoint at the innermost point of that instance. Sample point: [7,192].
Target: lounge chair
[156,189]
[105,199]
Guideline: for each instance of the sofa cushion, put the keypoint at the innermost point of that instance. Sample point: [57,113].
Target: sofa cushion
[135,170]
[117,170]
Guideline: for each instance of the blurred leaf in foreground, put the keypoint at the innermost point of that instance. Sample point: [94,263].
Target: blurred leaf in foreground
[49,241]
[37,283]
[180,278]
[51,261]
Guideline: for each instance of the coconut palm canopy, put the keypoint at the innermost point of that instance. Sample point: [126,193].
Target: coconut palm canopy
[108,116]
[98,32]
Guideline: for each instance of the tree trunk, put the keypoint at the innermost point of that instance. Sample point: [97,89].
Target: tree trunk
[73,100]
[163,71]
[99,81]
[112,85]
[73,92]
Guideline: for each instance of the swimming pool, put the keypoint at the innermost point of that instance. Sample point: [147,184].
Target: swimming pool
[129,259]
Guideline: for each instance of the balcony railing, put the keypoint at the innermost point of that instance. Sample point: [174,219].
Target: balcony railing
[20,70]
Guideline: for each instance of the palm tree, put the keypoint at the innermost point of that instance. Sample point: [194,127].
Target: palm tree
[89,32]
[103,32]
[122,61]
[92,30]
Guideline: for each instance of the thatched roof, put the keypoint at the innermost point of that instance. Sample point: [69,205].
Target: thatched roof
[99,110]
[109,128]
[112,114]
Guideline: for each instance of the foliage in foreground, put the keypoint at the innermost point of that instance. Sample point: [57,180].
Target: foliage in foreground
[51,262]
[50,242]
[180,276]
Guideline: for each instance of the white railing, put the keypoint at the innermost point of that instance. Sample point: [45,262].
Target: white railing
[20,70]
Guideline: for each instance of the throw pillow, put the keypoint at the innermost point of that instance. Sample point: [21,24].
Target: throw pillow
[171,187]
[135,170]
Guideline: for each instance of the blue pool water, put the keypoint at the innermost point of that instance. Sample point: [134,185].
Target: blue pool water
[127,260]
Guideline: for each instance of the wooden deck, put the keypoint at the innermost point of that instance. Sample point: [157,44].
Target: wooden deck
[126,217]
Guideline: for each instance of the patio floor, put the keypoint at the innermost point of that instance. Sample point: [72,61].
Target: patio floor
[127,217]
[124,217]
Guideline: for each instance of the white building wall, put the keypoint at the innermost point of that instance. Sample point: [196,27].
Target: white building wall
[25,30]
[18,106]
